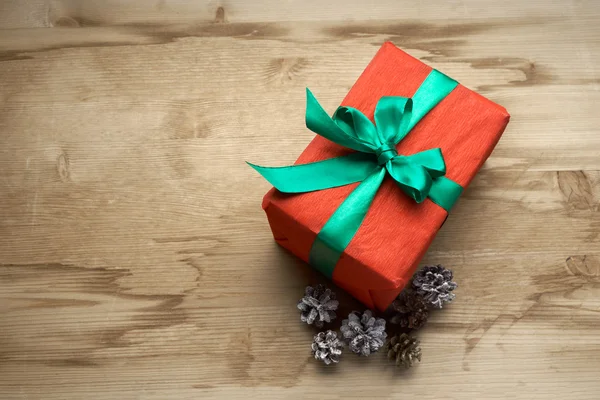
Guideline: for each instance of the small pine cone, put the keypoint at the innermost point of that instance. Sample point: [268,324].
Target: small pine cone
[404,349]
[435,284]
[410,310]
[364,333]
[327,347]
[318,305]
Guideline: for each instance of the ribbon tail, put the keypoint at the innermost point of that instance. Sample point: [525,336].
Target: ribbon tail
[341,227]
[319,175]
[445,192]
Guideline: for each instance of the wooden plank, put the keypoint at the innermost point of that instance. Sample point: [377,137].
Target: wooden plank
[76,13]
[135,261]
[24,14]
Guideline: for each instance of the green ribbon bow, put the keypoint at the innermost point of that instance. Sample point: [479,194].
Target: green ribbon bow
[419,175]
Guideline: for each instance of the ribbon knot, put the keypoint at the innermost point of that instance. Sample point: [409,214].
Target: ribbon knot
[420,175]
[385,153]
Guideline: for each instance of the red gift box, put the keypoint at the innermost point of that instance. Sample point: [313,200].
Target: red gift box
[396,232]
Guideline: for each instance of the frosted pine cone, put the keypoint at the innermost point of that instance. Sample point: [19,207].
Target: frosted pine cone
[435,284]
[364,333]
[318,305]
[327,347]
[410,310]
[404,349]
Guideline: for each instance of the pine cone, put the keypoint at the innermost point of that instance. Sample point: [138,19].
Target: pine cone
[327,347]
[404,349]
[365,334]
[435,284]
[318,305]
[410,310]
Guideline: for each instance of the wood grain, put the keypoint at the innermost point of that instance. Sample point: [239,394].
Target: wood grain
[136,262]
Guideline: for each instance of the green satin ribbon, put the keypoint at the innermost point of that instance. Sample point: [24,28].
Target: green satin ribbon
[420,175]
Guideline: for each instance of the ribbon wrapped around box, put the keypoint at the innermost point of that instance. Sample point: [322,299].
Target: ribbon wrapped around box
[365,199]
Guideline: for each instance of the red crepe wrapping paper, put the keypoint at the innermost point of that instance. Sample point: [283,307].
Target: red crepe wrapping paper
[386,250]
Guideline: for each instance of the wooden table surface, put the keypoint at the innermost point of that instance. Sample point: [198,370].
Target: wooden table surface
[136,262]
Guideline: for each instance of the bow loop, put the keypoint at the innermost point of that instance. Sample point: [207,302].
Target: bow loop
[413,178]
[414,174]
[356,125]
[318,121]
[392,117]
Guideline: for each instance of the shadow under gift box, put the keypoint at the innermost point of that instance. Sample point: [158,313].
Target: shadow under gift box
[396,232]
